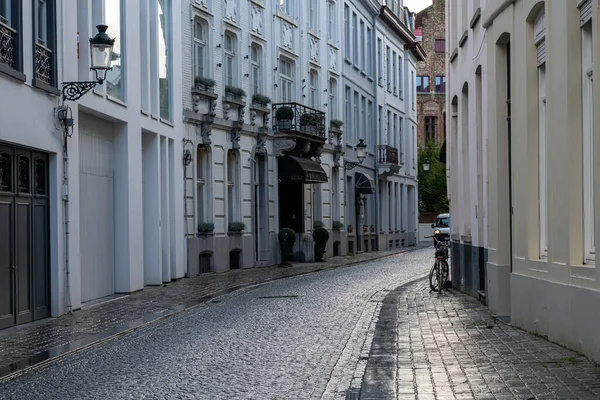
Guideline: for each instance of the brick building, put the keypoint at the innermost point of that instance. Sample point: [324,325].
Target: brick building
[431,78]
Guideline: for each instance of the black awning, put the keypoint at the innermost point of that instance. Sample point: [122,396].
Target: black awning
[364,183]
[300,169]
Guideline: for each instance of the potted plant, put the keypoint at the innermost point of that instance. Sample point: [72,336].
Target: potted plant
[317,224]
[260,100]
[350,228]
[336,123]
[236,227]
[287,238]
[204,83]
[205,228]
[308,119]
[320,236]
[233,91]
[337,226]
[284,115]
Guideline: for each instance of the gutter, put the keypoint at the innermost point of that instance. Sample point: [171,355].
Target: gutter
[489,19]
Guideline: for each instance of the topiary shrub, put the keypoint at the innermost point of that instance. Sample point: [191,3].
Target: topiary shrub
[320,235]
[287,235]
[206,227]
[284,113]
[236,227]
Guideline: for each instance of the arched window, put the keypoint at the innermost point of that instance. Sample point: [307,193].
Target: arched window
[256,69]
[229,59]
[314,89]
[200,49]
[286,79]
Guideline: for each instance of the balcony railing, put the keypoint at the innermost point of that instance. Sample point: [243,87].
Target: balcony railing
[388,154]
[8,44]
[294,117]
[43,64]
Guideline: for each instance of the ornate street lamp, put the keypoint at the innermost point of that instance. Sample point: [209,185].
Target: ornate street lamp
[361,154]
[426,165]
[101,48]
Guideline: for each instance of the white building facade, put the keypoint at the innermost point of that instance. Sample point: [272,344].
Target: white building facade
[101,215]
[542,220]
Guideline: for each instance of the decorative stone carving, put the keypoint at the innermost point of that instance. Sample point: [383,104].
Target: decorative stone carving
[256,16]
[242,113]
[314,49]
[213,108]
[230,10]
[337,155]
[261,143]
[253,118]
[226,107]
[280,146]
[267,119]
[333,59]
[235,138]
[287,35]
[196,100]
[204,130]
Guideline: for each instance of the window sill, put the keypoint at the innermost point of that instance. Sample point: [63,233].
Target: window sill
[116,101]
[146,113]
[348,61]
[98,93]
[45,87]
[356,68]
[167,122]
[13,73]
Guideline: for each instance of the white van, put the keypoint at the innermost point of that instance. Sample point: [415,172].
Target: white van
[441,228]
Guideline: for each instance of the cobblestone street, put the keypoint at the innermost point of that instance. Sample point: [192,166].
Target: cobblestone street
[360,332]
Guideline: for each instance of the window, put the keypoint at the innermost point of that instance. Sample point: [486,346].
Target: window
[200,56]
[440,84]
[5,12]
[389,127]
[363,59]
[348,111]
[314,89]
[388,68]
[380,61]
[440,45]
[369,52]
[423,84]
[363,117]
[255,68]
[164,57]
[540,43]
[312,14]
[331,22]
[430,128]
[347,31]
[287,6]
[203,199]
[355,39]
[286,80]
[400,77]
[232,187]
[333,99]
[229,60]
[588,108]
[394,72]
[370,124]
[356,119]
[380,124]
[45,56]
[412,89]
[400,141]
[394,133]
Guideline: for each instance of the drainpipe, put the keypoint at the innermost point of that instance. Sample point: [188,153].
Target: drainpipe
[377,133]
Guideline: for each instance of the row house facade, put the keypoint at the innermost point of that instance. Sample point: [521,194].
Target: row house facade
[87,187]
[252,172]
[538,159]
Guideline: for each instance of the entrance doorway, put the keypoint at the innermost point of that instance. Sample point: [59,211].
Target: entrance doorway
[291,206]
[24,236]
[261,209]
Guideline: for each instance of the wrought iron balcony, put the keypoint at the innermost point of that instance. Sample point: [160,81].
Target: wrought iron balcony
[388,154]
[8,44]
[43,64]
[295,117]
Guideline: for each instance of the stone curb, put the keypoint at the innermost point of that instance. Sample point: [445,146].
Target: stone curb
[46,357]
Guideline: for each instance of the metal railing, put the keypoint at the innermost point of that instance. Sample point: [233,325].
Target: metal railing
[43,64]
[388,154]
[299,118]
[8,43]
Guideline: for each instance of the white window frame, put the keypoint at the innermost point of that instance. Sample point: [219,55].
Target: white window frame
[363,52]
[313,80]
[347,39]
[203,186]
[388,52]
[256,74]
[380,61]
[394,74]
[42,23]
[588,144]
[200,49]
[229,59]
[313,15]
[333,99]
[369,52]
[355,39]
[348,112]
[356,117]
[233,182]
[288,7]
[332,21]
[542,163]
[400,78]
[286,80]
[363,117]
[6,17]
[370,122]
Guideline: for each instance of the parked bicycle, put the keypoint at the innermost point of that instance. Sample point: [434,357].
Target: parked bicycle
[438,276]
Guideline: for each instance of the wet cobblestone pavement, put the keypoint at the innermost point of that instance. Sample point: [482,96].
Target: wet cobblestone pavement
[305,337]
[32,343]
[450,347]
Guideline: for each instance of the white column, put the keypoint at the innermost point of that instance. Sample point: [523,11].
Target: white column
[151,207]
[165,228]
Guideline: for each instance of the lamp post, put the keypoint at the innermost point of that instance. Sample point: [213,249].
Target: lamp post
[101,47]
[426,165]
[361,154]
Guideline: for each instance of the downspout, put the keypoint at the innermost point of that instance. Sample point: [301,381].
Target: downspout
[374,129]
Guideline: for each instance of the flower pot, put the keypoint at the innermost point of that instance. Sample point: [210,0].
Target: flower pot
[320,250]
[284,124]
[287,252]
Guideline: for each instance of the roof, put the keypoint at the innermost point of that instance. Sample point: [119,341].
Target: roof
[410,40]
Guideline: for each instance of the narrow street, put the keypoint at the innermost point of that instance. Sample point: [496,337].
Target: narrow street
[306,337]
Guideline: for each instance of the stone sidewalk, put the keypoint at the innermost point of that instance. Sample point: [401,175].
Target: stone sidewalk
[448,346]
[31,344]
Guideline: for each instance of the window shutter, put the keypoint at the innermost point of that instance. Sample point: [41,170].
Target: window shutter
[585,10]
[541,52]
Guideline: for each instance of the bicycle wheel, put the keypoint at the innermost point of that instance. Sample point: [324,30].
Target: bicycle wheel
[445,270]
[433,277]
